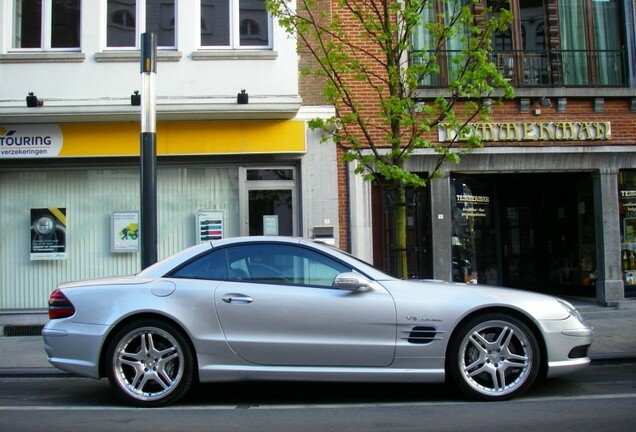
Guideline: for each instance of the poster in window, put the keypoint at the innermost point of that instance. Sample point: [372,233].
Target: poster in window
[270,225]
[125,231]
[209,225]
[629,230]
[48,234]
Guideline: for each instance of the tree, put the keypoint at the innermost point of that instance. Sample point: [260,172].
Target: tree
[363,49]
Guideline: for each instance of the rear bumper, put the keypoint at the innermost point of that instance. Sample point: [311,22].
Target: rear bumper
[74,348]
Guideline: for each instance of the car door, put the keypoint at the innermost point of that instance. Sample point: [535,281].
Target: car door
[279,308]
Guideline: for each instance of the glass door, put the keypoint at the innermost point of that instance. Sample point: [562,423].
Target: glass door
[519,252]
[268,201]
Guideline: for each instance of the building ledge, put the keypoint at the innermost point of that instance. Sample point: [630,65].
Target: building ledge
[43,57]
[128,56]
[134,56]
[234,55]
[549,92]
[167,109]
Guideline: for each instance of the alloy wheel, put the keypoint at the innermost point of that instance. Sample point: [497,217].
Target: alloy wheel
[148,364]
[496,359]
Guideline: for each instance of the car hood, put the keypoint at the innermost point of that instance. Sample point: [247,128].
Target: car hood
[472,297]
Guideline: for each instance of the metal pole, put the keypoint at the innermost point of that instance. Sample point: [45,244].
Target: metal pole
[148,151]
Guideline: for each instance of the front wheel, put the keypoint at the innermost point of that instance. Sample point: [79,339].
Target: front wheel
[150,363]
[493,357]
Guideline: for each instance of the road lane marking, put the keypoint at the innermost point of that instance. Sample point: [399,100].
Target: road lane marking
[307,406]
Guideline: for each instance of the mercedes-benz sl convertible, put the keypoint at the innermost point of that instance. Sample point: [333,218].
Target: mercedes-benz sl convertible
[260,308]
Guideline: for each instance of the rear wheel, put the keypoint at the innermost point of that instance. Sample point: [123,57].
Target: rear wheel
[150,363]
[493,357]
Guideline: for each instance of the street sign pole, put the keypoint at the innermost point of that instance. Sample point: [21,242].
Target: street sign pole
[148,151]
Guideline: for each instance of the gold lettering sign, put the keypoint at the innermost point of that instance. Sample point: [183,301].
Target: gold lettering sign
[532,131]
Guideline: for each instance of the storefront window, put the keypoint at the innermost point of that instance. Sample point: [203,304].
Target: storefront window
[87,207]
[473,240]
[518,230]
[627,197]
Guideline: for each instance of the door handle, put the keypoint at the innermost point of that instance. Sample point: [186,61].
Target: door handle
[237,298]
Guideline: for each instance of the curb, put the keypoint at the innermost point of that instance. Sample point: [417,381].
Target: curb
[613,358]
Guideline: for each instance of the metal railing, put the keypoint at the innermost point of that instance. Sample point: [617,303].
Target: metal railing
[551,68]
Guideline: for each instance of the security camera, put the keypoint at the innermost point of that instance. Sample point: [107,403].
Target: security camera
[333,124]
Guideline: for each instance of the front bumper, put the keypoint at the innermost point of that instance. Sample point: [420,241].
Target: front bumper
[567,344]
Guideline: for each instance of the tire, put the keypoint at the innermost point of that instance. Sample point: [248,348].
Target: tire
[150,363]
[493,357]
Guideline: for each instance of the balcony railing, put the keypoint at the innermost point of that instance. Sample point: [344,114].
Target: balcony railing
[552,68]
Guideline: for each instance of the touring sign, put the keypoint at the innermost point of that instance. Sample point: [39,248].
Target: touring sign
[173,139]
[32,141]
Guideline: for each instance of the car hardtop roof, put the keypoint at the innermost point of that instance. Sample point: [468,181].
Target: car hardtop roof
[167,264]
[164,266]
[257,239]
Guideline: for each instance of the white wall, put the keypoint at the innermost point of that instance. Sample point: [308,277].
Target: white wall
[319,179]
[93,82]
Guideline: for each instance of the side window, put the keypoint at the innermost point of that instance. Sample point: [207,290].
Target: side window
[209,266]
[283,264]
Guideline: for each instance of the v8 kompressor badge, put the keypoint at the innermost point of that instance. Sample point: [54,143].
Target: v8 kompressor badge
[422,319]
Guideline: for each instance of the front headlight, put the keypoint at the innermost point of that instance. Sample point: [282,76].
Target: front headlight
[571,310]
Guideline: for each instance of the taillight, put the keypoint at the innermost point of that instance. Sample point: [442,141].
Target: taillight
[60,306]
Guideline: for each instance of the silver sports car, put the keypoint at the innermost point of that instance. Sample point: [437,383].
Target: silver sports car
[290,309]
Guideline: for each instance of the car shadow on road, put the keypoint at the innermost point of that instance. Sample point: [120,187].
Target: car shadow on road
[310,393]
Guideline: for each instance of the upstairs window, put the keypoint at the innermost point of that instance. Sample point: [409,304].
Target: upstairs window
[563,42]
[591,40]
[46,24]
[442,12]
[128,19]
[235,24]
[549,43]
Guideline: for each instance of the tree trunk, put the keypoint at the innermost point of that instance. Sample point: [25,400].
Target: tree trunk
[400,232]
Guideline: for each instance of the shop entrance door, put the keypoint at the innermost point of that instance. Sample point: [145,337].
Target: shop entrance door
[268,201]
[418,231]
[547,232]
[520,259]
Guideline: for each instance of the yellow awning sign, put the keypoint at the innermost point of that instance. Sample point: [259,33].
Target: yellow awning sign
[173,139]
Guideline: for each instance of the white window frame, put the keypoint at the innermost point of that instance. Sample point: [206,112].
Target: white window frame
[140,28]
[235,31]
[46,27]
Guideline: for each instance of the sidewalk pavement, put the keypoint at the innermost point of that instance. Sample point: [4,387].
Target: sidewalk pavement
[614,339]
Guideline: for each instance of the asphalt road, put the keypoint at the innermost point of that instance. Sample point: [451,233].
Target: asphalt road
[602,397]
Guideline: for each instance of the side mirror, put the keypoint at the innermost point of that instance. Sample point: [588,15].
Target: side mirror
[351,281]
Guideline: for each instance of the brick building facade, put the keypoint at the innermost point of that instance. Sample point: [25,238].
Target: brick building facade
[547,204]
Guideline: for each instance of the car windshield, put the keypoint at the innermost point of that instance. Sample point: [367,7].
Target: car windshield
[366,268]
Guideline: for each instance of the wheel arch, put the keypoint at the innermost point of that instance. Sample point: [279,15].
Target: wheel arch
[523,317]
[140,316]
